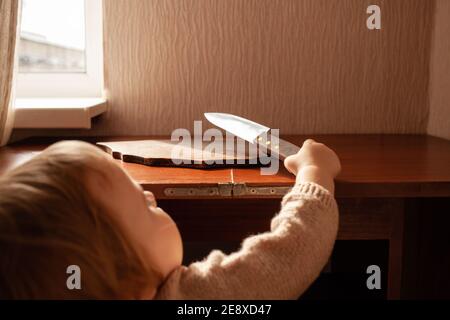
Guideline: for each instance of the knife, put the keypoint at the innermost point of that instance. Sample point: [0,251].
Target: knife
[252,132]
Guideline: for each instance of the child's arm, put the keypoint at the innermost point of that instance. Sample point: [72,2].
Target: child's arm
[282,263]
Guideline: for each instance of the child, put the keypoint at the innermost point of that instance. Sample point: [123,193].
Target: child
[73,205]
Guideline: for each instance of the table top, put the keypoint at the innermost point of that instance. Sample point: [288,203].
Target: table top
[372,166]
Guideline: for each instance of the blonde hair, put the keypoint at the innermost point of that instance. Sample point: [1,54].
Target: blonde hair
[49,221]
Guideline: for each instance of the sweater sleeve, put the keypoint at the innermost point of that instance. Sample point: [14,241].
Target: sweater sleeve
[278,264]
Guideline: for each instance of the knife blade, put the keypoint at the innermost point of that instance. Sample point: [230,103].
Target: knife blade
[252,132]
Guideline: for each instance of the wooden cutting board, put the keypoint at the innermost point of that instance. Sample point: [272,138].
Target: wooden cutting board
[155,152]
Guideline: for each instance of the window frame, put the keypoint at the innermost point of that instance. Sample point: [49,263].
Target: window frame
[72,85]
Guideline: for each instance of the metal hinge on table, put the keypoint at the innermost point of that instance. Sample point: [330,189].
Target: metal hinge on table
[226,190]
[241,189]
[222,190]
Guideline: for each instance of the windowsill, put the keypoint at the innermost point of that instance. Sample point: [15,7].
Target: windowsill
[61,113]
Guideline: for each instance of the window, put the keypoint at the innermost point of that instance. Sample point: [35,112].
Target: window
[60,49]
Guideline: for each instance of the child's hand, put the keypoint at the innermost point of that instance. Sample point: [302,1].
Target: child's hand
[315,162]
[314,154]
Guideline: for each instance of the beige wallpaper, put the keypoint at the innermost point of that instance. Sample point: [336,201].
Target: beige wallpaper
[439,119]
[304,66]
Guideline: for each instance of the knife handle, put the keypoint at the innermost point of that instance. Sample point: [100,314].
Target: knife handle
[286,149]
[282,148]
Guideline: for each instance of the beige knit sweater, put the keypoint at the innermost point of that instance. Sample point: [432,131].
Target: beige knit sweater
[280,264]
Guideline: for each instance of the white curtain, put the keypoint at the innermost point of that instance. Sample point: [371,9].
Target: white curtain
[9,28]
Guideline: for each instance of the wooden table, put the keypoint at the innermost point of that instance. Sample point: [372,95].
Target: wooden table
[381,175]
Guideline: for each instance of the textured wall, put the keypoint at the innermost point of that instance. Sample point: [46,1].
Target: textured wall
[439,119]
[300,65]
